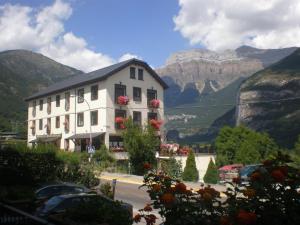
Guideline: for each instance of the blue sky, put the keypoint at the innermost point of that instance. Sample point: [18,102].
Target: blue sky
[115,27]
[144,28]
[90,34]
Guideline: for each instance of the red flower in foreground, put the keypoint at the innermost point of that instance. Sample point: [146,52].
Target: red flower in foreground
[137,218]
[246,218]
[180,187]
[224,220]
[278,176]
[150,219]
[147,166]
[148,208]
[256,176]
[167,198]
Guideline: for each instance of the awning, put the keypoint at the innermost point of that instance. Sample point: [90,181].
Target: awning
[85,135]
[46,138]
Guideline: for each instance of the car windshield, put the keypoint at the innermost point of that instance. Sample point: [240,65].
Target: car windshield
[246,171]
[52,202]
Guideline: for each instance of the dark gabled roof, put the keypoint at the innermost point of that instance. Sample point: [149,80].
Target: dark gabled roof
[94,76]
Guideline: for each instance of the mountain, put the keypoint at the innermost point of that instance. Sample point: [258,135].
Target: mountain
[265,56]
[22,73]
[270,100]
[199,78]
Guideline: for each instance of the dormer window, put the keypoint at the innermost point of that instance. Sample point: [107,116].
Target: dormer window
[94,92]
[41,104]
[132,72]
[34,108]
[49,105]
[57,100]
[80,95]
[141,74]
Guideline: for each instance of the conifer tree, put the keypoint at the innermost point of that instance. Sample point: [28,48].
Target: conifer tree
[190,172]
[211,176]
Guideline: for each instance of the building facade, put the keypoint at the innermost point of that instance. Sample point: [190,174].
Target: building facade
[95,105]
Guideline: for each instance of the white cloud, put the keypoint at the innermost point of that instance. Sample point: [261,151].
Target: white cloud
[223,24]
[127,56]
[23,27]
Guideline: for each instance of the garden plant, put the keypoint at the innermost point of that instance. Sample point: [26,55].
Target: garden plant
[271,197]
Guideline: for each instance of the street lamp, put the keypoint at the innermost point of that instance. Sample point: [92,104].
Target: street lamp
[90,144]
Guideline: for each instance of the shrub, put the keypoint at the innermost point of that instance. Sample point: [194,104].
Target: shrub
[141,145]
[211,176]
[106,189]
[270,197]
[190,172]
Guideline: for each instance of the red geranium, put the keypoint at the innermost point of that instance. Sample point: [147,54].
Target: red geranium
[123,100]
[154,103]
[119,119]
[278,176]
[155,124]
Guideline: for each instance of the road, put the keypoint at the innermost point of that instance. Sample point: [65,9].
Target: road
[131,193]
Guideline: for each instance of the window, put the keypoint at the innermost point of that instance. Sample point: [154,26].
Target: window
[33,128]
[141,74]
[57,122]
[94,118]
[80,95]
[120,90]
[137,94]
[48,130]
[151,94]
[41,124]
[67,101]
[41,104]
[152,116]
[49,105]
[34,108]
[132,72]
[94,92]
[67,144]
[66,123]
[137,118]
[80,120]
[57,100]
[119,113]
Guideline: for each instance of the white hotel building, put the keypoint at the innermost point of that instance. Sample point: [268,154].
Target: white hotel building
[67,112]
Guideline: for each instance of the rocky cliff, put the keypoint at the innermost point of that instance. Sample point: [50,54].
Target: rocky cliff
[270,100]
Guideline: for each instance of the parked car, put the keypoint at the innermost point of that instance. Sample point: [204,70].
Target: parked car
[246,172]
[50,190]
[61,203]
[228,172]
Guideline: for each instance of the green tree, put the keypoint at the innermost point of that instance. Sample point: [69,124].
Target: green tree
[190,172]
[141,144]
[172,167]
[297,147]
[211,176]
[243,145]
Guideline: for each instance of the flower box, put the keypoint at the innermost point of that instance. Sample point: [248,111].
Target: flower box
[155,124]
[120,122]
[123,100]
[154,103]
[117,149]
